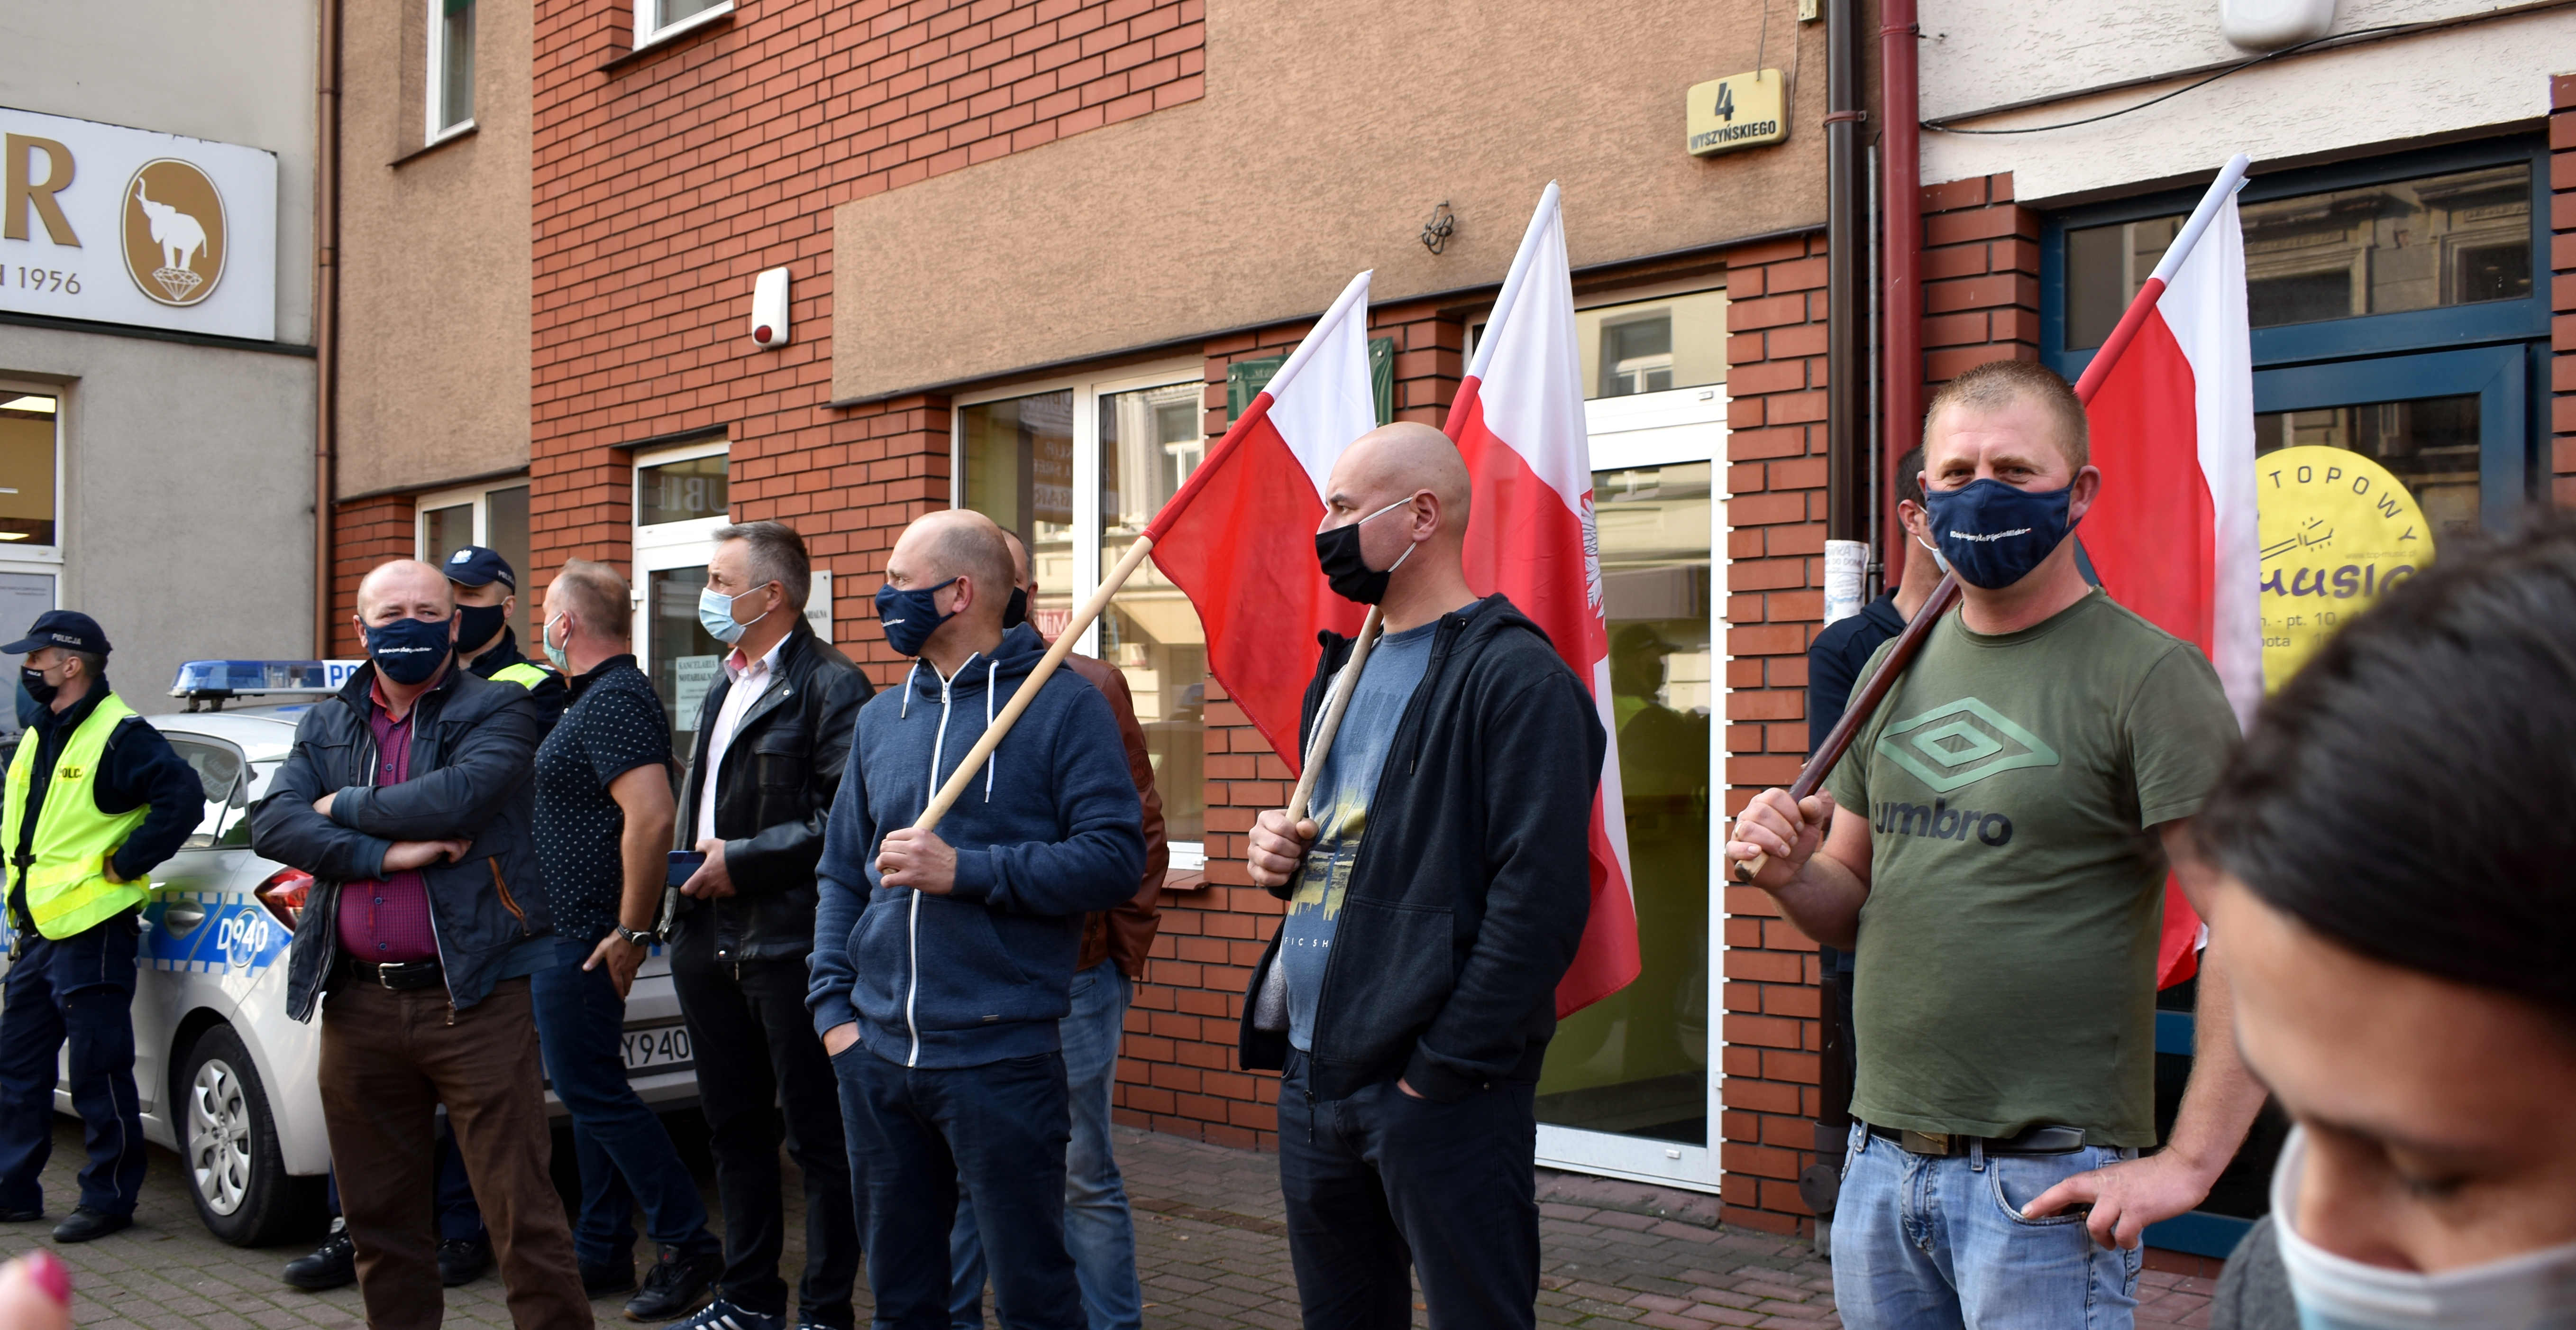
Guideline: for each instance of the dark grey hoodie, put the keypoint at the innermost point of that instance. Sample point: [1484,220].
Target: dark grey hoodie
[1049,830]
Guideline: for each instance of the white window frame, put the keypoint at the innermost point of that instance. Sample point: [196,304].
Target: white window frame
[436,111]
[45,559]
[664,546]
[478,495]
[1187,856]
[647,34]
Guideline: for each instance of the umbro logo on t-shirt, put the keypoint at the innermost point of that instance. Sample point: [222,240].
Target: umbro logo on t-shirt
[1957,744]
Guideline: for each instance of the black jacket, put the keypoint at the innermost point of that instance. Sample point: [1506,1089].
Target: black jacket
[1473,879]
[780,772]
[138,768]
[473,753]
[552,693]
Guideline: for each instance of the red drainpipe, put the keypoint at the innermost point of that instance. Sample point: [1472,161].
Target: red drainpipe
[1901,195]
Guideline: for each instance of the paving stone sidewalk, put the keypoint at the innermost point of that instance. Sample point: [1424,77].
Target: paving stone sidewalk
[1210,1248]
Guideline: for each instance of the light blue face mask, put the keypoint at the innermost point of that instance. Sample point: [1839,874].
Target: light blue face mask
[715,614]
[2531,1291]
[557,654]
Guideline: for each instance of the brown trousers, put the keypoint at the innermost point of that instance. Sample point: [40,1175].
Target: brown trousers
[388,1060]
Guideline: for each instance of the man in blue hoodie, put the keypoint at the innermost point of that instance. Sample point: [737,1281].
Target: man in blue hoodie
[944,960]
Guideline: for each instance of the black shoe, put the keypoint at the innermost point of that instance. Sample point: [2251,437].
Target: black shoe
[332,1265]
[463,1260]
[599,1281]
[86,1224]
[675,1285]
[21,1216]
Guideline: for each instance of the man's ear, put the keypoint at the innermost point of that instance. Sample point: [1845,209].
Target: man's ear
[2088,487]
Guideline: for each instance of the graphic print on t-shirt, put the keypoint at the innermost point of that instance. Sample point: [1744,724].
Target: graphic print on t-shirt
[1949,748]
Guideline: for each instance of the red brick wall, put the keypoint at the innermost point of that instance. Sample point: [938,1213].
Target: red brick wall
[365,532]
[2562,289]
[1775,518]
[665,179]
[1980,277]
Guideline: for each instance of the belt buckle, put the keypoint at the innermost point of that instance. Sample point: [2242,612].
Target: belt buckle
[384,976]
[1924,1142]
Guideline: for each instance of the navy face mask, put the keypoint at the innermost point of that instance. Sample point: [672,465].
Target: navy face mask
[409,651]
[478,624]
[1992,534]
[1016,612]
[910,617]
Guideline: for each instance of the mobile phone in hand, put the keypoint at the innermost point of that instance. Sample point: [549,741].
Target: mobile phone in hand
[684,863]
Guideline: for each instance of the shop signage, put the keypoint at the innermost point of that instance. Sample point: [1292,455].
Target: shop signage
[2338,531]
[1738,111]
[127,226]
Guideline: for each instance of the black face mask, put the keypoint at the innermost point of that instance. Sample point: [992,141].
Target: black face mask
[478,624]
[33,680]
[1338,550]
[1016,611]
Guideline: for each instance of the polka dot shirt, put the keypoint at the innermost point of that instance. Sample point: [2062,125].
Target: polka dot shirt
[613,724]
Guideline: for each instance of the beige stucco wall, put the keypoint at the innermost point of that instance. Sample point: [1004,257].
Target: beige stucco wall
[434,295]
[1328,131]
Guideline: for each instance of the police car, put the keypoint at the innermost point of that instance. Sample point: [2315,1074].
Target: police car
[226,1078]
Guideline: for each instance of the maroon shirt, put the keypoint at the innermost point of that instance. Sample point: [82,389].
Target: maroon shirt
[387,921]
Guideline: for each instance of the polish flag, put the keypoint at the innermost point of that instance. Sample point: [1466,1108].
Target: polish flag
[1239,536]
[2171,400]
[1518,420]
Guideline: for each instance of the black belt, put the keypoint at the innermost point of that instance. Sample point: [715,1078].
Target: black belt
[398,976]
[2040,1140]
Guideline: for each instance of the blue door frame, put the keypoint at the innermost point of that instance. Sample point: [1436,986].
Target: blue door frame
[2495,349]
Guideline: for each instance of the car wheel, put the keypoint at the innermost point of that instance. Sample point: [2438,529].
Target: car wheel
[228,1143]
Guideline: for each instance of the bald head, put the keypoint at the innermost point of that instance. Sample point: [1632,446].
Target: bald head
[1022,576]
[1392,463]
[405,588]
[952,543]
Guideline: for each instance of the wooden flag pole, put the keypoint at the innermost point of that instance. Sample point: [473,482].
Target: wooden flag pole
[1821,763]
[1330,723]
[976,756]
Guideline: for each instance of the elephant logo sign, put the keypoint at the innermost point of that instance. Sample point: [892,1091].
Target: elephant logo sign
[175,237]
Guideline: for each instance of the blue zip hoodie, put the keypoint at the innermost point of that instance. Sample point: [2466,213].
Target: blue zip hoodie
[1049,830]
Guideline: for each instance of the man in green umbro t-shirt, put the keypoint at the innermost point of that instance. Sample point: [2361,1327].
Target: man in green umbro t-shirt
[1994,845]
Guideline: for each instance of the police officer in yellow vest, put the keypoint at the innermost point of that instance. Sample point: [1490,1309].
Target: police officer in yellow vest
[96,799]
[486,592]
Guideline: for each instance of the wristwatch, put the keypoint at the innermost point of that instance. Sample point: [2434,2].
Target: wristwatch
[638,937]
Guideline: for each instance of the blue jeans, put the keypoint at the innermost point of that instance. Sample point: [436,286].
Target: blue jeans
[921,1136]
[625,1154]
[79,989]
[1940,1244]
[1097,1228]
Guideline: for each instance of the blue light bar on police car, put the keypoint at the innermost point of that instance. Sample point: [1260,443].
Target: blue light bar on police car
[237,678]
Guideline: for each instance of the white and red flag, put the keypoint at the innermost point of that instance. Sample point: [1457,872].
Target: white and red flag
[1518,421]
[2170,397]
[1239,536]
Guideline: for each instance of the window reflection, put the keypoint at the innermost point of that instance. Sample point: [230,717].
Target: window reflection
[1150,441]
[1637,1062]
[1018,457]
[2454,239]
[2430,443]
[683,491]
[1652,346]
[27,469]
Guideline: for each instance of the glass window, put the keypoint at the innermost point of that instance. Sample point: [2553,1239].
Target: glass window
[27,469]
[443,531]
[683,491]
[1150,441]
[219,773]
[684,659]
[2430,443]
[1636,1062]
[505,530]
[1652,346]
[655,17]
[2454,239]
[1017,458]
[451,47]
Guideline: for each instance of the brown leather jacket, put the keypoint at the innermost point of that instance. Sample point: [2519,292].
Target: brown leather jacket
[1126,934]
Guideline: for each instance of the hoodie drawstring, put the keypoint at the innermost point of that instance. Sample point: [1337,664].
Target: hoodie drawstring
[991,672]
[906,712]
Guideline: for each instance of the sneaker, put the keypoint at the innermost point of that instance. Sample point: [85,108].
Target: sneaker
[598,1281]
[675,1285]
[332,1265]
[463,1260]
[721,1314]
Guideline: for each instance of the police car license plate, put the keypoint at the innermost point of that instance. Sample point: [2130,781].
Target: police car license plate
[659,1048]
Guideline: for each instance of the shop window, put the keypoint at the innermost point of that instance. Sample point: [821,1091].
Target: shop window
[1076,471]
[2454,238]
[494,517]
[451,67]
[658,20]
[681,499]
[1653,346]
[28,445]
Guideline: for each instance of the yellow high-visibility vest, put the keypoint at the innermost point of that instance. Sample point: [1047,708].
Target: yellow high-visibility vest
[67,886]
[523,674]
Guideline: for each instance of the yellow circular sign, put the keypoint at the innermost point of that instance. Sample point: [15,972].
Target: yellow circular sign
[175,235]
[2338,530]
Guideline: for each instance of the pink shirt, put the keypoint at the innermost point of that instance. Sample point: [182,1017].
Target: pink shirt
[387,921]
